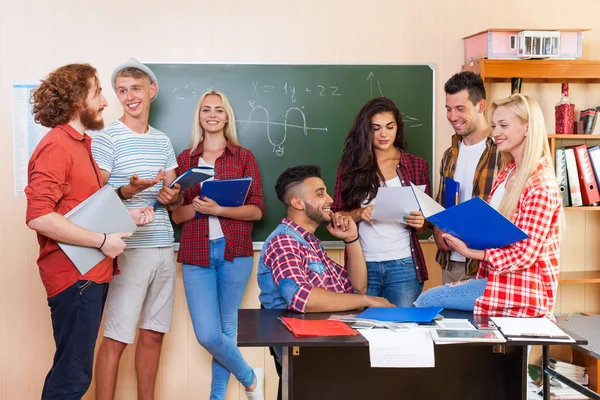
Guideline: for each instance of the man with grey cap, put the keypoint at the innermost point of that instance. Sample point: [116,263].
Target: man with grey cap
[139,161]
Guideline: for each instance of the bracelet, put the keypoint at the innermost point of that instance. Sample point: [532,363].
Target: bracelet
[120,194]
[104,241]
[484,254]
[353,240]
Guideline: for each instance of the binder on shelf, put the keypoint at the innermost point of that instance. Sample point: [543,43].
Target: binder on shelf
[227,192]
[595,159]
[587,180]
[452,193]
[190,178]
[573,178]
[474,222]
[102,212]
[561,175]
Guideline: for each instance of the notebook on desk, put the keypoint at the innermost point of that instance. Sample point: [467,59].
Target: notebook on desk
[102,212]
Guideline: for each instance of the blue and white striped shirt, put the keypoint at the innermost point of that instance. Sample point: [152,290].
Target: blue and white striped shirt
[122,152]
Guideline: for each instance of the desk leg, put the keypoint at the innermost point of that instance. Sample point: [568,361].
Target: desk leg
[545,378]
[287,383]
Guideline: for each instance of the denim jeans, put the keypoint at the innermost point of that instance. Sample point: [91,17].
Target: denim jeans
[461,296]
[396,280]
[214,295]
[76,313]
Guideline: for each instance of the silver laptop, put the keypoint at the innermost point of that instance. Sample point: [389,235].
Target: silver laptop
[101,212]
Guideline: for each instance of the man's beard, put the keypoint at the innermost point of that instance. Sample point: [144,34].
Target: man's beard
[315,215]
[89,119]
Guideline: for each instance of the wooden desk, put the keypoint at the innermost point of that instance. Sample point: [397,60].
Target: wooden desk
[339,367]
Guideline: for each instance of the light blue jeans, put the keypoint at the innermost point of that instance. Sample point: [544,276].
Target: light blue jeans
[214,295]
[395,280]
[457,297]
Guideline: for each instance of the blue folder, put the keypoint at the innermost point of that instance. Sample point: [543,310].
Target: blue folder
[452,192]
[190,178]
[478,224]
[422,315]
[228,192]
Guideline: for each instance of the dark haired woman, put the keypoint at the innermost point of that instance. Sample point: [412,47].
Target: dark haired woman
[375,156]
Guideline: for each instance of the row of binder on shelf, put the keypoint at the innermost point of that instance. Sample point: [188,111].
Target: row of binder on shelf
[578,173]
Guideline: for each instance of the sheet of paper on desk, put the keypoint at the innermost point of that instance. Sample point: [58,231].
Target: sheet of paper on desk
[393,202]
[410,348]
[541,329]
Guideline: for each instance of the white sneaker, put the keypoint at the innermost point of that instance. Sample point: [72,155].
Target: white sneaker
[258,393]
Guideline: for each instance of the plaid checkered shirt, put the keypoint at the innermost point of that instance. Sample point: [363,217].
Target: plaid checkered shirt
[523,277]
[289,259]
[483,181]
[235,162]
[411,168]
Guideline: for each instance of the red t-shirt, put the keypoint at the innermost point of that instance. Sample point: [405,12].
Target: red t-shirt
[62,173]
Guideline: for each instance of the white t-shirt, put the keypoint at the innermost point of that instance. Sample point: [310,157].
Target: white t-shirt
[214,225]
[466,165]
[384,240]
[499,193]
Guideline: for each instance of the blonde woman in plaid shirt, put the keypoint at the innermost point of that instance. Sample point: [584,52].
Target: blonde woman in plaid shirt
[519,280]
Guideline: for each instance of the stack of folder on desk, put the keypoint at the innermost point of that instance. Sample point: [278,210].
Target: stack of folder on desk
[317,327]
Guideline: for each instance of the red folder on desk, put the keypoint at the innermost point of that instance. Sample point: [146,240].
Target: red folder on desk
[317,327]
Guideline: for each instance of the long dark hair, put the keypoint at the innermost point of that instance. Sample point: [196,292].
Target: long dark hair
[360,174]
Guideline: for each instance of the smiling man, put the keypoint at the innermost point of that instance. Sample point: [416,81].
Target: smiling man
[139,161]
[294,272]
[472,160]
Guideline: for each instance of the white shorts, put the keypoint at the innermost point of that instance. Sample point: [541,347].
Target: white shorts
[143,293]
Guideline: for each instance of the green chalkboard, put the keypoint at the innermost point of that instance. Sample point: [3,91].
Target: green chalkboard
[294,114]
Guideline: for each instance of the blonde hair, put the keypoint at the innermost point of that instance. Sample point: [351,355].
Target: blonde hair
[536,148]
[229,131]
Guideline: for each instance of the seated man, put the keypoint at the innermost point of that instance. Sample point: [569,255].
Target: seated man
[294,272]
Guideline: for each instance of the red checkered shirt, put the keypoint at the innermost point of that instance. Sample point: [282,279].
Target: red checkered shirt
[523,277]
[289,259]
[411,168]
[235,162]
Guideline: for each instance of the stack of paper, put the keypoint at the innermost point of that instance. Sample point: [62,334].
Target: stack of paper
[317,327]
[538,329]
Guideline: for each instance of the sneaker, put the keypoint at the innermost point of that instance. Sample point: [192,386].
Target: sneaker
[258,393]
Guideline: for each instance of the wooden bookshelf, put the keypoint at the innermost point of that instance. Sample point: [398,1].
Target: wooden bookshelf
[535,70]
[557,136]
[579,277]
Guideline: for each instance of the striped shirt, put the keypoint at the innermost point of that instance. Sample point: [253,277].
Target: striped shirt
[485,173]
[122,152]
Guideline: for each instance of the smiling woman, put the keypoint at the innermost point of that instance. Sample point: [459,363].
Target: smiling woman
[216,242]
[375,156]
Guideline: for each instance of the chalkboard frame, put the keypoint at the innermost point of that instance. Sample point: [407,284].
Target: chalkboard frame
[330,244]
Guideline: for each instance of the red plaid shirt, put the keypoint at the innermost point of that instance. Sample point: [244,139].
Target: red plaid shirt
[288,258]
[235,162]
[411,168]
[523,277]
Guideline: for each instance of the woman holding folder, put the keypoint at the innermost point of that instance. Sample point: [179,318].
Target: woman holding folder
[519,280]
[216,242]
[375,156]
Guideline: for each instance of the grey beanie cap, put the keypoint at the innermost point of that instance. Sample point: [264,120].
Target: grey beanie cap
[133,63]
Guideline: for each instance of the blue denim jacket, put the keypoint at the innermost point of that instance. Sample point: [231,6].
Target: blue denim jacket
[272,296]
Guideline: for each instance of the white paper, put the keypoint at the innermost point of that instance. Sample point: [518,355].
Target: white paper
[453,323]
[527,327]
[411,348]
[427,205]
[392,203]
[26,133]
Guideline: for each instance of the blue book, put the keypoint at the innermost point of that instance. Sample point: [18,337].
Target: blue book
[452,192]
[422,315]
[190,178]
[227,192]
[474,222]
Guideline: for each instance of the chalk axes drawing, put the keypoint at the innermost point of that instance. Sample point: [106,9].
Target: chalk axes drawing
[277,138]
[410,121]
